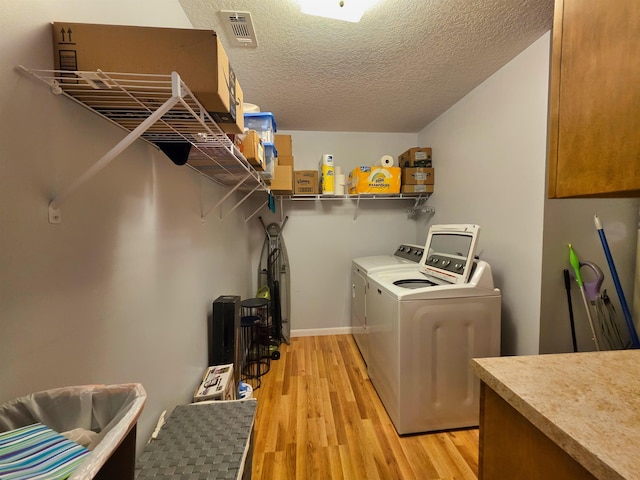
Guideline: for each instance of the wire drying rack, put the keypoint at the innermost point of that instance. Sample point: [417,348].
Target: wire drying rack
[161,110]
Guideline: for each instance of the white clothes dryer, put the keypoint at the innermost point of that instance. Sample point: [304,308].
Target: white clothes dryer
[425,324]
[406,255]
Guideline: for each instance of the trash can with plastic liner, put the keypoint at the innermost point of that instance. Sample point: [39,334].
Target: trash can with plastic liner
[101,418]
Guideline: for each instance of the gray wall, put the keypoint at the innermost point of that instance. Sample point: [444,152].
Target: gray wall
[489,153]
[120,291]
[322,237]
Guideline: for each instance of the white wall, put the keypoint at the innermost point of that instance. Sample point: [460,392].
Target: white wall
[120,291]
[489,154]
[322,237]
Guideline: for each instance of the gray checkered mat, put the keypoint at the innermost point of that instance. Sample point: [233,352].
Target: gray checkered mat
[200,441]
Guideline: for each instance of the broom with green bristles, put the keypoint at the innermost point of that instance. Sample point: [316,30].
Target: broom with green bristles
[575,264]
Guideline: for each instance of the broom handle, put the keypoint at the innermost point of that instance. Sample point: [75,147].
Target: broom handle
[635,342]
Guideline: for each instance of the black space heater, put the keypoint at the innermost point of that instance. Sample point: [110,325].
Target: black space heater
[224,333]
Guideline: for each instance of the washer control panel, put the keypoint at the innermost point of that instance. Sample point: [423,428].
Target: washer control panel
[410,252]
[451,264]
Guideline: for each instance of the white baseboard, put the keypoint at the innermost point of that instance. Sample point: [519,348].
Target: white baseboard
[315,332]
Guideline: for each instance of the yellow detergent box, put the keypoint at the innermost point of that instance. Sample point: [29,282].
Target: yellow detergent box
[375,180]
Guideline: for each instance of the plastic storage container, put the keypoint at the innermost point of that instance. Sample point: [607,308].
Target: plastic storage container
[270,154]
[264,123]
[101,417]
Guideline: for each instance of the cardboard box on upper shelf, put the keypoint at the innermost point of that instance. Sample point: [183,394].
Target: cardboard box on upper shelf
[284,144]
[282,181]
[196,55]
[305,182]
[415,157]
[416,189]
[253,150]
[417,176]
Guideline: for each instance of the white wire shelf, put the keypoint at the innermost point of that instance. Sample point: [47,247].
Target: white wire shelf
[161,110]
[418,198]
[358,196]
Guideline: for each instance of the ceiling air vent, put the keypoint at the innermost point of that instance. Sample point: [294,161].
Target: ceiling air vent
[239,27]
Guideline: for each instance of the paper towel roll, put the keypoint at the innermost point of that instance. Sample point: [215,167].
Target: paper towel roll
[386,161]
[337,170]
[340,182]
[327,159]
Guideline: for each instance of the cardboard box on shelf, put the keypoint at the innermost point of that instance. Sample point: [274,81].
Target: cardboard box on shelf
[416,189]
[253,150]
[282,181]
[284,159]
[196,55]
[415,157]
[284,144]
[306,182]
[374,180]
[417,176]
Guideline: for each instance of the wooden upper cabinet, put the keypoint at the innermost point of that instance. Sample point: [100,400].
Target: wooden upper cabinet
[594,102]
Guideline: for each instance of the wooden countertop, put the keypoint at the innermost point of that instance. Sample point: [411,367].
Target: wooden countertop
[587,403]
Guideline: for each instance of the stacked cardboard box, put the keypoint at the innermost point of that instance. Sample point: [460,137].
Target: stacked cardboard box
[416,157]
[253,150]
[417,173]
[282,182]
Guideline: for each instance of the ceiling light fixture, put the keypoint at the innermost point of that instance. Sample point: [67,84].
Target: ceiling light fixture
[347,10]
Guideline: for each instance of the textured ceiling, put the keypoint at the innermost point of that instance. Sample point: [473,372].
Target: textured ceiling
[405,63]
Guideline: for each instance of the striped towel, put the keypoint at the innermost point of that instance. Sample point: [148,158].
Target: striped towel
[37,452]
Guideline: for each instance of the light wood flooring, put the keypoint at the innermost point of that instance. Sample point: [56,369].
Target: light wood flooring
[319,417]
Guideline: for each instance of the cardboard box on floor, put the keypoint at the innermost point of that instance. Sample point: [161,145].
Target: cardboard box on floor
[196,55]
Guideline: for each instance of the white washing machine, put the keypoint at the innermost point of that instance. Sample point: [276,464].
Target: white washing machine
[425,324]
[406,255]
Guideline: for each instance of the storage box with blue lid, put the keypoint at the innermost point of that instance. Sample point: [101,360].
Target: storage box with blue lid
[262,122]
[270,154]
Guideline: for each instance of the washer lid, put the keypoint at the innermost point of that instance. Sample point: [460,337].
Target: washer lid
[449,252]
[414,283]
[406,255]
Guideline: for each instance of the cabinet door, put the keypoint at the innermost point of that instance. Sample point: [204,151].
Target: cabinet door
[594,110]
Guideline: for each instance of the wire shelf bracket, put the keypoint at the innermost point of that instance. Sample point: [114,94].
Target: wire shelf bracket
[159,109]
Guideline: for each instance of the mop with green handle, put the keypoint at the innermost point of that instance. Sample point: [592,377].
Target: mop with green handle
[575,264]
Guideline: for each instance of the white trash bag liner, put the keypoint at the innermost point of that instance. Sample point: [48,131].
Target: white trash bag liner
[96,416]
